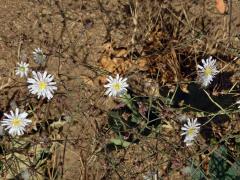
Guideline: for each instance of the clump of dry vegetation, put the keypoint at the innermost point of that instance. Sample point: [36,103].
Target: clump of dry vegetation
[145,90]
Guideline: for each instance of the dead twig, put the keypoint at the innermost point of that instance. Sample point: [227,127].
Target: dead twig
[6,84]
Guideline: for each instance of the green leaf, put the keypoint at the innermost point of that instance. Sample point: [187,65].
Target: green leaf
[194,172]
[237,139]
[135,118]
[234,170]
[220,168]
[120,142]
[115,121]
[126,99]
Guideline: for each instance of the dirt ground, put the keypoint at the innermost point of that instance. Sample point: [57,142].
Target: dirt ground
[76,35]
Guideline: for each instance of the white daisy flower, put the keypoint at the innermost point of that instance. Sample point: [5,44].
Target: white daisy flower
[22,69]
[117,86]
[16,123]
[42,84]
[207,71]
[191,129]
[38,56]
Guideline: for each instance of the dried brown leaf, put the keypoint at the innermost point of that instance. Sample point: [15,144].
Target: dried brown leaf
[220,6]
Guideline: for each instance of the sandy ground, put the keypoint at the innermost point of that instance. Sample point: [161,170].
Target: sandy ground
[73,35]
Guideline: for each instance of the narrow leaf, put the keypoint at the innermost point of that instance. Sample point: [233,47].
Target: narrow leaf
[120,142]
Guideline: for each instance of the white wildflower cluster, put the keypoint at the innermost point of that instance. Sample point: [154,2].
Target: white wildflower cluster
[43,85]
[118,86]
[40,84]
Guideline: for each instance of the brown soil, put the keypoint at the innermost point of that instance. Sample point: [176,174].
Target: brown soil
[76,36]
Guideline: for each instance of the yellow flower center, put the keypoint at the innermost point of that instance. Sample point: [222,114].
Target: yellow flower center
[116,86]
[16,122]
[42,85]
[191,131]
[22,69]
[208,71]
